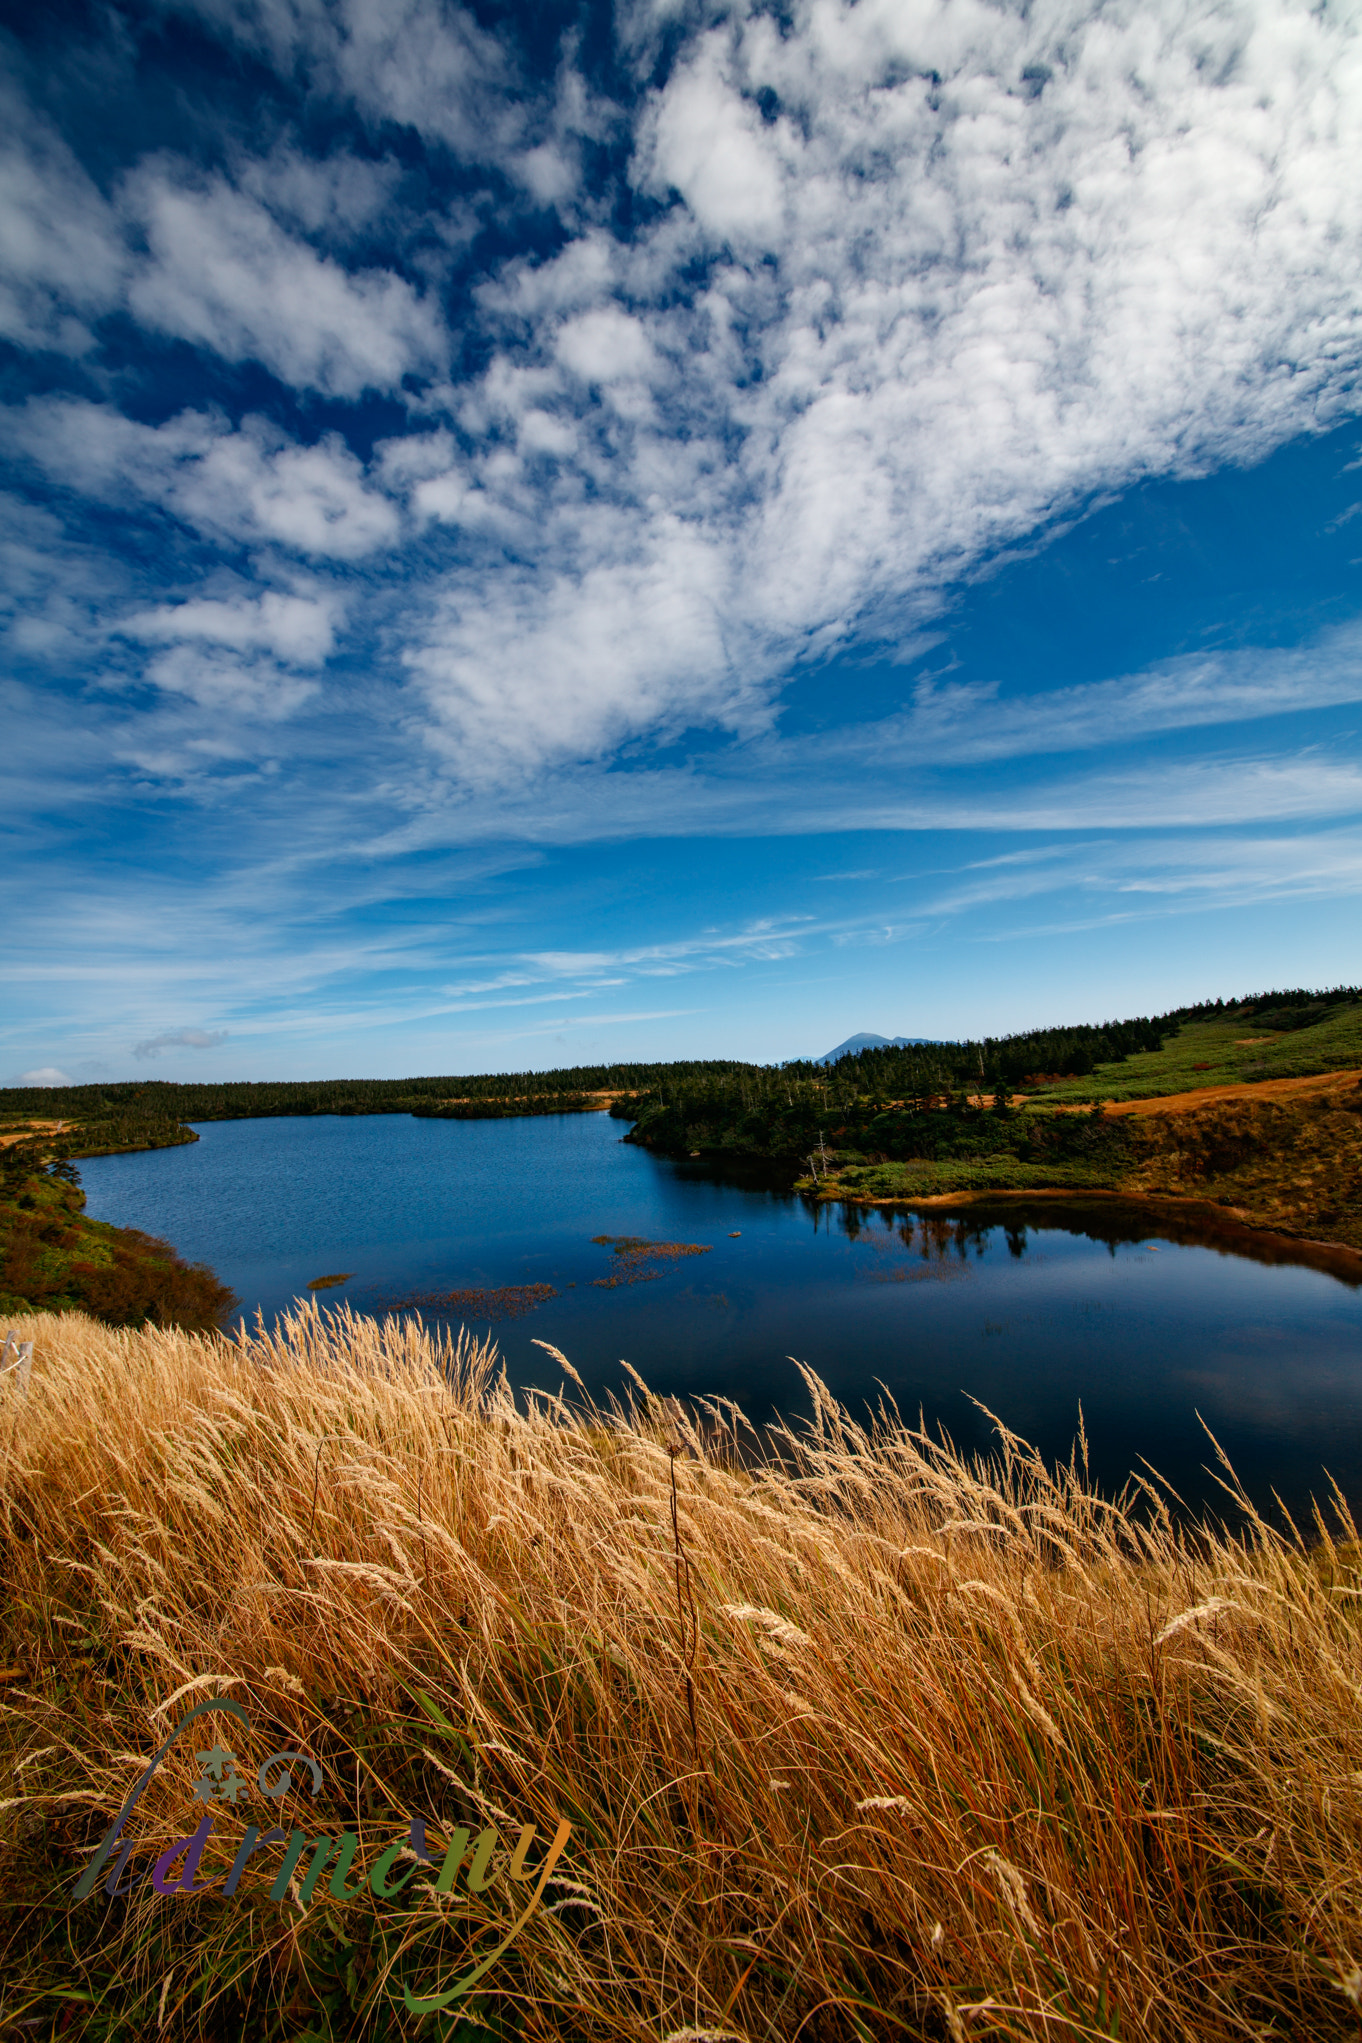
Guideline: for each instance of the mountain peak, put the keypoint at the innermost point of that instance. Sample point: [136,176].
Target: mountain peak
[867,1042]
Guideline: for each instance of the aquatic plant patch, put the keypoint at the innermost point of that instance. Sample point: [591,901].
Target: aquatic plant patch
[505,1301]
[641,1261]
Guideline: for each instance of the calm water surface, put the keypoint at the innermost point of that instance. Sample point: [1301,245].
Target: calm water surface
[1027,1311]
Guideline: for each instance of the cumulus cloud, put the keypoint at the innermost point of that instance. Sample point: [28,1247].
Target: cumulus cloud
[566,662]
[219,264]
[425,64]
[704,140]
[219,680]
[180,1039]
[248,484]
[255,484]
[295,628]
[899,285]
[224,274]
[604,346]
[331,197]
[46,1074]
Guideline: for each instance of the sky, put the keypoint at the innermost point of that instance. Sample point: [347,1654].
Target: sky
[540,535]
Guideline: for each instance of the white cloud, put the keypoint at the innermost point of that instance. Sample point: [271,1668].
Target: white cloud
[581,275]
[61,250]
[543,433]
[1201,793]
[1018,259]
[566,662]
[331,197]
[431,67]
[299,629]
[604,346]
[51,589]
[705,141]
[46,1074]
[222,681]
[953,723]
[412,458]
[549,173]
[251,484]
[180,1039]
[222,273]
[423,63]
[978,266]
[1125,880]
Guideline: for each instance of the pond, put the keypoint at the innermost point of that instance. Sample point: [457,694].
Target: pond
[1145,1317]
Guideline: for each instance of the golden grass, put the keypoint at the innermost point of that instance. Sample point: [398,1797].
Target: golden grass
[865,1742]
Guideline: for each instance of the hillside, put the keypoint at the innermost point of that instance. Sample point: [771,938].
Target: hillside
[1291,1164]
[1240,1048]
[54,1258]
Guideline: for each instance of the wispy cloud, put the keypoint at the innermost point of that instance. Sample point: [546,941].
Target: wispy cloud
[221,271]
[62,259]
[964,724]
[1161,874]
[180,1039]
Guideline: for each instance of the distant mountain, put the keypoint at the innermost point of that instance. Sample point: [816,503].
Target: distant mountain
[855,1043]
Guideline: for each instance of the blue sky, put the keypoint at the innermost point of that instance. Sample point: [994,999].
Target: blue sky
[535,535]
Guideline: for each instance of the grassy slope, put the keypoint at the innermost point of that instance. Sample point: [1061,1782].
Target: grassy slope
[1295,1165]
[969,1755]
[53,1257]
[1225,1057]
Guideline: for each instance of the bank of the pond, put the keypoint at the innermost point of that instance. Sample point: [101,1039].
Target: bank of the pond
[1290,1164]
[55,1257]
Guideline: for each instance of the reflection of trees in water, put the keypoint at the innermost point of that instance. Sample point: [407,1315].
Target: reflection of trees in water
[1186,1224]
[940,1243]
[942,1239]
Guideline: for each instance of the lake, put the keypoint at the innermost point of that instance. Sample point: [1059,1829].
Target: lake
[1146,1319]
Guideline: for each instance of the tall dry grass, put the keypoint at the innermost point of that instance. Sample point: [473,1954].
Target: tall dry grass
[863,1742]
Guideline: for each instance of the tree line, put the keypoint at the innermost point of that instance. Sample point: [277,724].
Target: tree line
[168,1103]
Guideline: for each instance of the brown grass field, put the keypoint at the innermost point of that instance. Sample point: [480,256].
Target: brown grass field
[858,1740]
[1243,1091]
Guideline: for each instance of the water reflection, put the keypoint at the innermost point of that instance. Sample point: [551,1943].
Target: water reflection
[1117,1222]
[1110,1218]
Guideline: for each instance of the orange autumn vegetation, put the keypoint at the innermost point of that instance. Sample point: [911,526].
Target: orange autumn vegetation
[865,1741]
